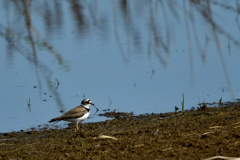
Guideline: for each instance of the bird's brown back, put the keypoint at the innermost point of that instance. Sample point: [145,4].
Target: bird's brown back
[76,112]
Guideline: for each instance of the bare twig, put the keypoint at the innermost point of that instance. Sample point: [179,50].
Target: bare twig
[96,109]
[104,137]
[223,157]
[156,132]
[110,102]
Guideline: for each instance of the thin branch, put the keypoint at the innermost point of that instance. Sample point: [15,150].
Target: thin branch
[110,103]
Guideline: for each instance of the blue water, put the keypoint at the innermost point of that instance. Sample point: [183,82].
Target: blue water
[111,56]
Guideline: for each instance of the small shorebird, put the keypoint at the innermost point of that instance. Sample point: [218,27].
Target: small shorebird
[77,114]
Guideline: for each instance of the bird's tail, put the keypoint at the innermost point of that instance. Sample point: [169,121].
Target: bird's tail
[53,120]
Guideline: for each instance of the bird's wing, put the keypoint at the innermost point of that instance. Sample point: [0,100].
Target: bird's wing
[73,113]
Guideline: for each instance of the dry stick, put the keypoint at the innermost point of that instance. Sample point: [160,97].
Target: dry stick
[209,132]
[156,132]
[96,109]
[110,102]
[217,127]
[106,137]
[223,157]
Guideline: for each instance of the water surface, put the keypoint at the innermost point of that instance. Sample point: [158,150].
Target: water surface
[128,56]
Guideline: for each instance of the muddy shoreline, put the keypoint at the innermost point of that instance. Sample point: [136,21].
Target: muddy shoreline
[196,134]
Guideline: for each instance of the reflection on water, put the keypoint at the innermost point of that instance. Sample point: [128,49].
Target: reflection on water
[139,55]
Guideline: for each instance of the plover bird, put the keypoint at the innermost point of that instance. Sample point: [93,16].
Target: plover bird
[77,114]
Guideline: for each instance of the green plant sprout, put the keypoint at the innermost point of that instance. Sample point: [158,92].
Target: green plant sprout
[29,105]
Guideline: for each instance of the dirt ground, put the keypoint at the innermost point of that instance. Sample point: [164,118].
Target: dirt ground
[198,134]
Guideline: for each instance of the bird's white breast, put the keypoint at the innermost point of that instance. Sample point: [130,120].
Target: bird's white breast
[80,119]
